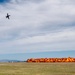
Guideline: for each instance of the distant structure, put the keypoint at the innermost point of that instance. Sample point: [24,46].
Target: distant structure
[8,16]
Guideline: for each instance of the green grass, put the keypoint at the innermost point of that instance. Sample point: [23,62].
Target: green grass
[37,68]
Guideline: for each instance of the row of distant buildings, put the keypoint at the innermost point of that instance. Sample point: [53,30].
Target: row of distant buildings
[69,59]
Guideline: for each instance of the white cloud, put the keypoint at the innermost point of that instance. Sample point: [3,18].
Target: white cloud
[46,23]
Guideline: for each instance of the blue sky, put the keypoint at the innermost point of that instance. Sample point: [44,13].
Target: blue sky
[25,56]
[37,26]
[4,1]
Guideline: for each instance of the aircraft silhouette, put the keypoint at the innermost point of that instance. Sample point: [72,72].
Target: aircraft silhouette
[7,16]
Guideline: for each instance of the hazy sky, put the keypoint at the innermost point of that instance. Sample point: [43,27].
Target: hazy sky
[37,25]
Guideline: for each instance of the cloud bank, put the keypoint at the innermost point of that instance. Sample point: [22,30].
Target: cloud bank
[37,25]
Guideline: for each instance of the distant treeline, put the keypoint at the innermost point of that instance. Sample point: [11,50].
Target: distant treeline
[69,59]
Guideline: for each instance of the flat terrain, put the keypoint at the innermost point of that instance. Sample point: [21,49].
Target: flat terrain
[23,68]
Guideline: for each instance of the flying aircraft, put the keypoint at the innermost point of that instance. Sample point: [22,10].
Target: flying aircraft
[8,16]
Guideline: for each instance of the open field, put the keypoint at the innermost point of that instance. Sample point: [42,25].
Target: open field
[23,68]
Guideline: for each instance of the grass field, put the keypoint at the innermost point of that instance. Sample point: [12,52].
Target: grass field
[37,68]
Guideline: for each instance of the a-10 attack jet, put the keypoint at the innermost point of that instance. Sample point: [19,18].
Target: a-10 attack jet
[8,16]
